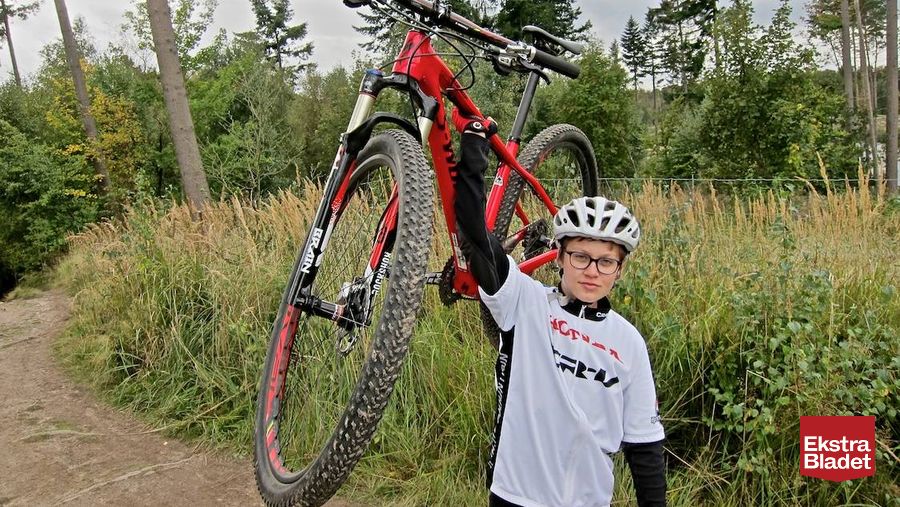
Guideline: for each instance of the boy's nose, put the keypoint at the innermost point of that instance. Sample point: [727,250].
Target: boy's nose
[592,270]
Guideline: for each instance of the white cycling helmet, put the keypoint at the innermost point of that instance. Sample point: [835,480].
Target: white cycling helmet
[597,218]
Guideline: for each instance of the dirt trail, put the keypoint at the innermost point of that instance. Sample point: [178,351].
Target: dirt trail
[60,446]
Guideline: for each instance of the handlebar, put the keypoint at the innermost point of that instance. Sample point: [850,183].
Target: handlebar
[457,23]
[556,63]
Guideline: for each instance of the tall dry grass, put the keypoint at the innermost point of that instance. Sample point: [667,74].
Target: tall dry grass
[756,310]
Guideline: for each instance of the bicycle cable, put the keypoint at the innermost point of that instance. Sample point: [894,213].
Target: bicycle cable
[399,16]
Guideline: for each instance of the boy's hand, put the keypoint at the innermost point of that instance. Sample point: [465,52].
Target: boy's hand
[473,124]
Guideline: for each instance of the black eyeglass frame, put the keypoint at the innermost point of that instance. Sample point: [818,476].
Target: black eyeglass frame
[595,262]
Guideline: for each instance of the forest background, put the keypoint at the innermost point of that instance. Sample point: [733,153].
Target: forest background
[729,99]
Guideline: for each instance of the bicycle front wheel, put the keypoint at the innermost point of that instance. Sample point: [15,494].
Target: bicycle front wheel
[326,383]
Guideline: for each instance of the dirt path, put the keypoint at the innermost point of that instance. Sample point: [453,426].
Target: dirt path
[60,446]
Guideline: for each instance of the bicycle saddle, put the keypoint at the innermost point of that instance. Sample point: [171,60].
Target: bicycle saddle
[541,34]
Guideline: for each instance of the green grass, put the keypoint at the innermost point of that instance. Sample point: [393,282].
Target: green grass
[756,311]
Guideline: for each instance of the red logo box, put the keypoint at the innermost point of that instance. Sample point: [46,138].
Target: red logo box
[837,448]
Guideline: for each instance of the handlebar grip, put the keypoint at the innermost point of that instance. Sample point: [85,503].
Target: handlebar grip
[556,63]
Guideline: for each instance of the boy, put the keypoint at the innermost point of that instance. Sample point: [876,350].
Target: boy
[573,377]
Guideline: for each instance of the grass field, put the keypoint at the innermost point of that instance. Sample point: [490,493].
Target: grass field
[756,310]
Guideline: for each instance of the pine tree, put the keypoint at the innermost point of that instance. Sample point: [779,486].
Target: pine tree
[685,28]
[651,55]
[558,17]
[282,42]
[384,35]
[634,50]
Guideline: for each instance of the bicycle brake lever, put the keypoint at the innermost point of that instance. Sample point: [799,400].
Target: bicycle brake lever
[537,70]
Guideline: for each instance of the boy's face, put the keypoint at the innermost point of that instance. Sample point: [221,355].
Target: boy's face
[590,284]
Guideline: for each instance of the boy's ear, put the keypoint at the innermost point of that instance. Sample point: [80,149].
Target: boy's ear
[621,268]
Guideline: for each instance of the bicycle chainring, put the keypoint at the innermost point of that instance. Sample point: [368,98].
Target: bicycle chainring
[537,239]
[445,287]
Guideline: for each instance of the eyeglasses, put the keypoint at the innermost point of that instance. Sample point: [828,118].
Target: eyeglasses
[605,265]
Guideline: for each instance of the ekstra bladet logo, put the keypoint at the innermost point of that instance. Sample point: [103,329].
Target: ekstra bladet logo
[837,448]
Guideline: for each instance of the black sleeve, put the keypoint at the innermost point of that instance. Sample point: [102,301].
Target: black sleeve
[485,255]
[648,471]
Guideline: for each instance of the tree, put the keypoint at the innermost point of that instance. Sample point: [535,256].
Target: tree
[188,22]
[866,96]
[651,55]
[21,12]
[836,24]
[685,27]
[193,178]
[282,42]
[84,103]
[384,35]
[634,50]
[764,114]
[891,158]
[559,17]
[600,104]
[846,50]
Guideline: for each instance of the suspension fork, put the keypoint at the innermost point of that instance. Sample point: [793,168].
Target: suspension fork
[359,131]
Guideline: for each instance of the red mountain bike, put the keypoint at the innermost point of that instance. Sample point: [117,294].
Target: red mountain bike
[349,309]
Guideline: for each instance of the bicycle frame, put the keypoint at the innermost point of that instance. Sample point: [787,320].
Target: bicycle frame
[420,71]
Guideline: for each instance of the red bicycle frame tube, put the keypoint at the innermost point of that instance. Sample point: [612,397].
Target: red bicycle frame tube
[418,61]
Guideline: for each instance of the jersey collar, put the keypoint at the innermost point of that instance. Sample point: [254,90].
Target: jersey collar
[581,309]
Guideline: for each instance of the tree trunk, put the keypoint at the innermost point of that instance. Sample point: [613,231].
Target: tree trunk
[891,158]
[717,52]
[682,58]
[846,50]
[84,102]
[12,52]
[864,94]
[181,124]
[655,108]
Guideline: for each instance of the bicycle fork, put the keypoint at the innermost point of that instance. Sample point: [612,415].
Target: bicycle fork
[353,307]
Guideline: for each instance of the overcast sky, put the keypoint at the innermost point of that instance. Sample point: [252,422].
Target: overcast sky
[330,25]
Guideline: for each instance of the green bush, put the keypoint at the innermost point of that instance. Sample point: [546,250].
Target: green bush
[44,195]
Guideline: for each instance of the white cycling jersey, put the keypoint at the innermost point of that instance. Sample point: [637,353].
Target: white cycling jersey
[570,390]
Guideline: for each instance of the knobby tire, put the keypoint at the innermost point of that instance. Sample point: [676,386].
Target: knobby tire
[315,482]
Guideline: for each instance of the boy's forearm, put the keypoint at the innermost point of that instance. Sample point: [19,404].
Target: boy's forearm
[648,471]
[487,260]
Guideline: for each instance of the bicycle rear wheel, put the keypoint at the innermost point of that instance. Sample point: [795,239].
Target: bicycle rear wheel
[326,383]
[562,158]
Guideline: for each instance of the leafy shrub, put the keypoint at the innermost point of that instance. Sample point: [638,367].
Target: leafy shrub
[44,195]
